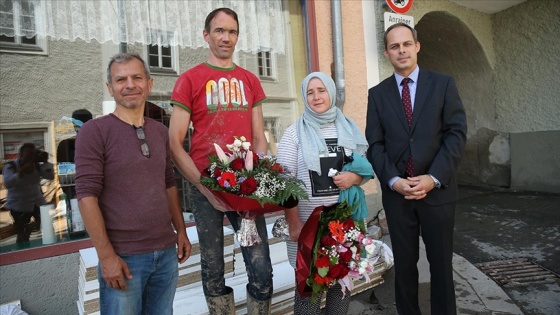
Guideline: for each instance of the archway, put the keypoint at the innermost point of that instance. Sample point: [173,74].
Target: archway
[449,46]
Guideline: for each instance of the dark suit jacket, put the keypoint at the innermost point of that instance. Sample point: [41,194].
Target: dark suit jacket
[437,136]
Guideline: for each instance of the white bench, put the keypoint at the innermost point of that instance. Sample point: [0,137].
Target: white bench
[189,298]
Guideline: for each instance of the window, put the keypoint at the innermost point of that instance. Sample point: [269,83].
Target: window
[20,21]
[272,124]
[272,133]
[12,136]
[265,65]
[161,58]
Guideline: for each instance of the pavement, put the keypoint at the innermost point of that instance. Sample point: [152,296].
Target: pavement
[491,225]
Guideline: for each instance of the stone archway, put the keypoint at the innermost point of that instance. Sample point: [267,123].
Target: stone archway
[447,45]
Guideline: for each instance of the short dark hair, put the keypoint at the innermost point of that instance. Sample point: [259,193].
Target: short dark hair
[213,14]
[126,57]
[82,115]
[414,33]
[26,146]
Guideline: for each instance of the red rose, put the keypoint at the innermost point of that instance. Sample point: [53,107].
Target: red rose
[343,270]
[237,164]
[322,261]
[346,256]
[217,172]
[248,186]
[327,240]
[338,271]
[320,280]
[348,224]
[277,167]
[255,159]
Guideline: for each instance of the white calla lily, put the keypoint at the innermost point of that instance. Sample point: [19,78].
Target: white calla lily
[249,160]
[221,154]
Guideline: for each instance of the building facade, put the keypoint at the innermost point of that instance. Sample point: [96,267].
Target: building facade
[501,58]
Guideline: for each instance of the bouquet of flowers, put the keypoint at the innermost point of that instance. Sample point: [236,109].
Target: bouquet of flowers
[340,251]
[251,184]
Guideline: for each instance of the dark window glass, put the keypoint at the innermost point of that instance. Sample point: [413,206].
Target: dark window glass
[29,41]
[160,56]
[166,51]
[7,39]
[153,49]
[166,62]
[154,62]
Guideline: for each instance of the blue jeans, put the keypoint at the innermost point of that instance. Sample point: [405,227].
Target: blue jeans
[209,225]
[151,289]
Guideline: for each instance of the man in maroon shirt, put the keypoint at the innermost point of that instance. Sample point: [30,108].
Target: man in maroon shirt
[128,198]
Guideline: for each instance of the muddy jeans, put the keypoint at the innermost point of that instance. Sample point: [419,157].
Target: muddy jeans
[209,225]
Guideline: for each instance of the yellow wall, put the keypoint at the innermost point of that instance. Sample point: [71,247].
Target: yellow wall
[297,29]
[355,76]
[354,54]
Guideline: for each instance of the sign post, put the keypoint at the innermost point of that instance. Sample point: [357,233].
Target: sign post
[392,18]
[399,7]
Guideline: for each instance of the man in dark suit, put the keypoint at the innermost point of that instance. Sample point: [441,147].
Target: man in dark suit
[417,133]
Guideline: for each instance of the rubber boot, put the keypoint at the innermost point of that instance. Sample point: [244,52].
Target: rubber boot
[221,305]
[256,307]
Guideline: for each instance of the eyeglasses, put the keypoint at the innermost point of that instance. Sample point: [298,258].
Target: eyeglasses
[142,136]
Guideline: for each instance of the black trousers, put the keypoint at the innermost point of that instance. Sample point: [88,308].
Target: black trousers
[22,225]
[407,220]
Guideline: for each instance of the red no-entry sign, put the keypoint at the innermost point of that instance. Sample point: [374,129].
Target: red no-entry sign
[400,6]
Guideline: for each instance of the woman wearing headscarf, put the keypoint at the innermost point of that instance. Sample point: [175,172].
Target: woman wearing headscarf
[323,138]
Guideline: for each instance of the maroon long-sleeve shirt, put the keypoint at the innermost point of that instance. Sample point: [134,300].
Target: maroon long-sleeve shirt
[131,188]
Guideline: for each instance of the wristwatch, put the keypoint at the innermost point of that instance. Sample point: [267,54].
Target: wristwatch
[436,182]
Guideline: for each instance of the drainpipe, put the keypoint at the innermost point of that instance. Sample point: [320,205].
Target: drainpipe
[308,11]
[338,55]
[122,28]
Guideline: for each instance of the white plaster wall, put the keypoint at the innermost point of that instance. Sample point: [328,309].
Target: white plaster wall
[535,157]
[45,286]
[73,75]
[44,88]
[527,41]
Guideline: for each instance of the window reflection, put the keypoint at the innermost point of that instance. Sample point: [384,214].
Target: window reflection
[37,107]
[24,191]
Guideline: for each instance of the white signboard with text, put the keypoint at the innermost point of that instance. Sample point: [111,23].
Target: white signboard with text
[393,18]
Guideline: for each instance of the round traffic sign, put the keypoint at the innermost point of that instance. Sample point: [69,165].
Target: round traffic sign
[400,6]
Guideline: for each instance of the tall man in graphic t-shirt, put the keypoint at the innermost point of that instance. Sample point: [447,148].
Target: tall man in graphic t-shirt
[222,100]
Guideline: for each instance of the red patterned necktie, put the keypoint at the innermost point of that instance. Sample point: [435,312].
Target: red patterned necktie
[407,105]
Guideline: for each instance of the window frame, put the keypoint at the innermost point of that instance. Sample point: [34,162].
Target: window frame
[40,46]
[266,72]
[174,69]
